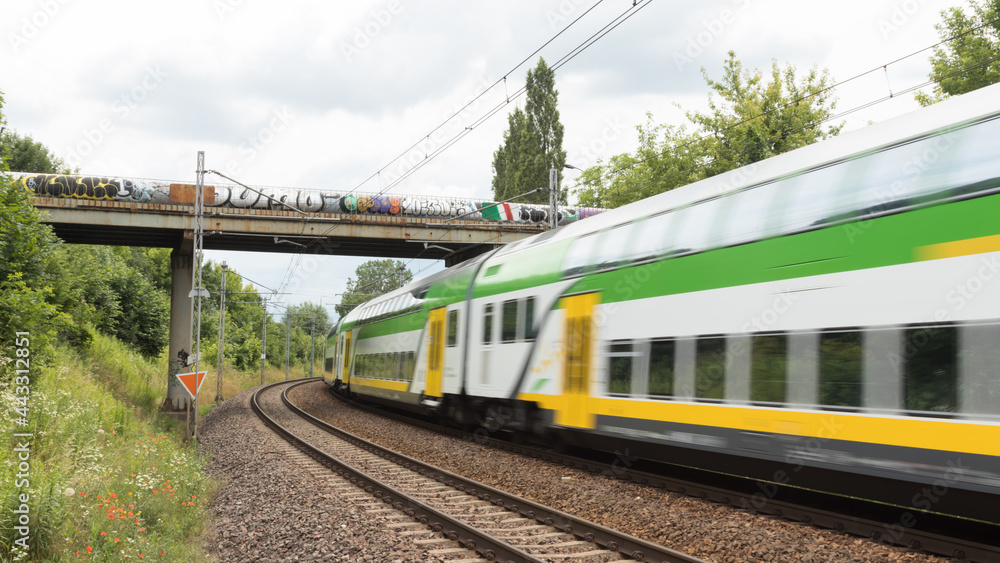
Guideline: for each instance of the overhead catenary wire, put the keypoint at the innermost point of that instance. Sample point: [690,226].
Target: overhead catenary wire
[614,24]
[475,99]
[293,264]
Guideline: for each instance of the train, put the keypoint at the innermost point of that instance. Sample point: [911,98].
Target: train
[828,318]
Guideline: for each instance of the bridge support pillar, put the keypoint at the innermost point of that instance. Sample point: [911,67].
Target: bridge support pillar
[181,260]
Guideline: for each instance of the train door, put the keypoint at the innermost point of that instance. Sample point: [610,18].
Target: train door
[346,373]
[435,351]
[579,337]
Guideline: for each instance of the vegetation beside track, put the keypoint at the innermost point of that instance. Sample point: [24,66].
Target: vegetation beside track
[110,478]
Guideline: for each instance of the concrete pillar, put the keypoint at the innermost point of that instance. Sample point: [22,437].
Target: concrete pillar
[181,260]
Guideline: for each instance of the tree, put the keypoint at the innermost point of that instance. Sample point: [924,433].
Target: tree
[757,120]
[972,59]
[24,154]
[748,119]
[25,244]
[667,157]
[532,143]
[374,278]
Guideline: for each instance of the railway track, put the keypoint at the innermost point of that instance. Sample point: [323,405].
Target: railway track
[495,525]
[932,533]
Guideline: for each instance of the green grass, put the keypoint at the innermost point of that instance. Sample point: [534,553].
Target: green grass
[110,477]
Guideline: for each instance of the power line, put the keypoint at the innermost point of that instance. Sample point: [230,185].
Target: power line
[474,100]
[596,37]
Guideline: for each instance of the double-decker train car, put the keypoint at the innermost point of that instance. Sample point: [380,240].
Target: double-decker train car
[828,318]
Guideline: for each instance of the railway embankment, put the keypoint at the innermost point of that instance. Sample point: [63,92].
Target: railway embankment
[98,474]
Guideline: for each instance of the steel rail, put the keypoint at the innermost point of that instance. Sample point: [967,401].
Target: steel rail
[612,540]
[894,532]
[469,537]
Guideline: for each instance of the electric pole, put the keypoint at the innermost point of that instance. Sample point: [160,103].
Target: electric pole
[220,357]
[263,343]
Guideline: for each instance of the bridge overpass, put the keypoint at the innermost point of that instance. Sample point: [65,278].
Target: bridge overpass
[151,213]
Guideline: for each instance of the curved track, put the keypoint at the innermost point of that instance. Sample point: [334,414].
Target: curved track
[933,533]
[490,522]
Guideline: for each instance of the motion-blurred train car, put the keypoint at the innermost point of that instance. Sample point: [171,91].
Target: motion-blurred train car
[826,318]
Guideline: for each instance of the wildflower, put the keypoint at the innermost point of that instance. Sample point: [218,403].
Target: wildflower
[114,495]
[70,492]
[89,549]
[116,540]
[104,533]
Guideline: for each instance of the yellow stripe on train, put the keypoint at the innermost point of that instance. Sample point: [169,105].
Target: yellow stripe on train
[966,247]
[927,433]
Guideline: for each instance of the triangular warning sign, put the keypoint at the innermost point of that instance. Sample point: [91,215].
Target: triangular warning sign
[192,381]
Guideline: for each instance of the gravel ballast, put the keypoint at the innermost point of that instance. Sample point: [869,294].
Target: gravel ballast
[271,506]
[711,531]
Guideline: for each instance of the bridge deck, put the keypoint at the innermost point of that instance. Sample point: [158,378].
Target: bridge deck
[85,221]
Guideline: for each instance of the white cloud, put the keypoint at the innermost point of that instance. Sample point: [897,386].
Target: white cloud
[365,80]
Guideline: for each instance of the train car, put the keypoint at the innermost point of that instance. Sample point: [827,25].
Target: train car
[827,318]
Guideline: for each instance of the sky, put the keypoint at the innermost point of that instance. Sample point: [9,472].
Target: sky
[327,95]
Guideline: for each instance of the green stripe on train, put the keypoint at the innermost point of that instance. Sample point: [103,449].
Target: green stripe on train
[885,241]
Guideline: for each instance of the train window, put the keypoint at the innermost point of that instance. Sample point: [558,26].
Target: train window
[328,365]
[488,323]
[397,367]
[578,256]
[710,368]
[661,368]
[529,318]
[611,246]
[452,328]
[811,198]
[840,358]
[769,368]
[973,166]
[508,322]
[620,367]
[931,369]
[411,366]
[650,238]
[749,212]
[697,225]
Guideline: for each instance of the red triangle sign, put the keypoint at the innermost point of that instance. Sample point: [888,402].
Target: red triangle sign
[192,381]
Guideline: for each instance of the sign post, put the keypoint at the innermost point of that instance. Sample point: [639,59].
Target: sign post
[192,383]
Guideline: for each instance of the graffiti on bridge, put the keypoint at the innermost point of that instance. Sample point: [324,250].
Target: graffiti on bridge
[309,201]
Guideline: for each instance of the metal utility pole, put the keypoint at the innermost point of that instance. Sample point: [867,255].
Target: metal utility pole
[263,343]
[288,332]
[198,291]
[553,198]
[220,357]
[312,346]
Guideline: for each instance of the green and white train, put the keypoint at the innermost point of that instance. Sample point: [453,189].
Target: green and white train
[829,318]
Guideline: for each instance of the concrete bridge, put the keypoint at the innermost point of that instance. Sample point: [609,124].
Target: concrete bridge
[150,213]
